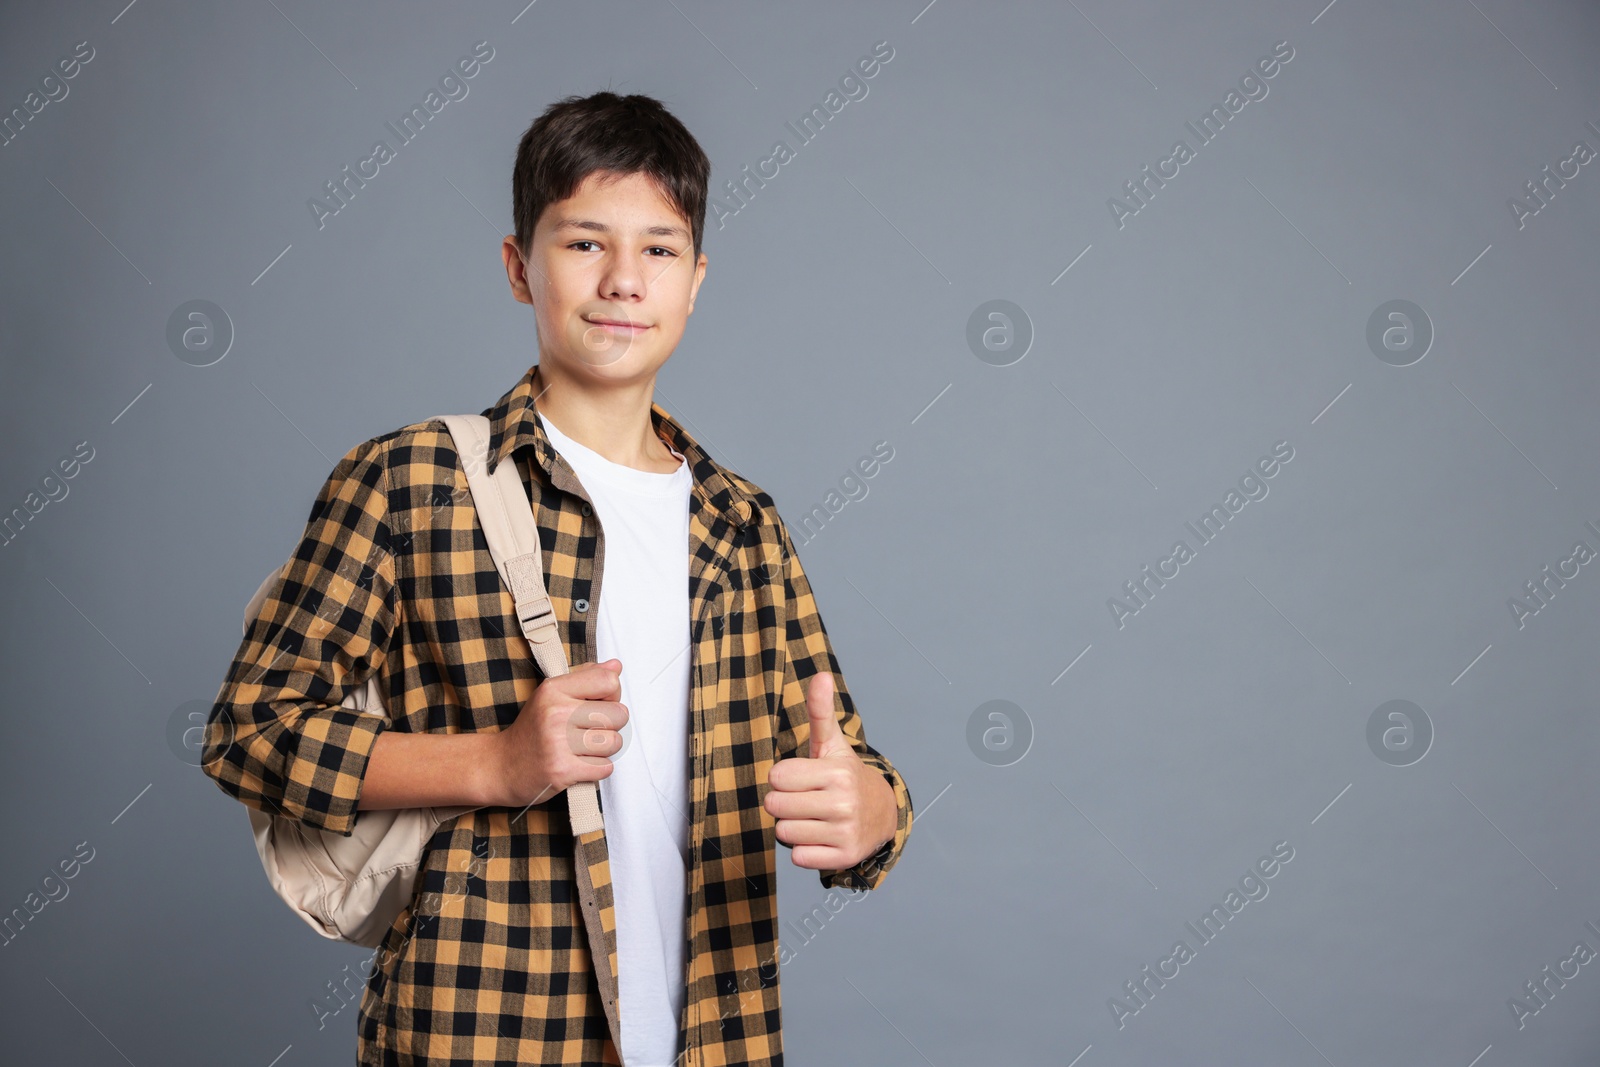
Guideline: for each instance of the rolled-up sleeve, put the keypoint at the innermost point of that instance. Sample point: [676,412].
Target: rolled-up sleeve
[277,738]
[810,650]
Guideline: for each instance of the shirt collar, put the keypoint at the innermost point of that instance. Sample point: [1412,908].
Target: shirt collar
[514,424]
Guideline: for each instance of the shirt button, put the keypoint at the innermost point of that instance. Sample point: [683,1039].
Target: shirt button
[587,510]
[580,606]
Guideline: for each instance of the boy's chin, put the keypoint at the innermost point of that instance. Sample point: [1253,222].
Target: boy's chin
[618,358]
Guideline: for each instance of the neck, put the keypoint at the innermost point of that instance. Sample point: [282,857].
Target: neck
[611,418]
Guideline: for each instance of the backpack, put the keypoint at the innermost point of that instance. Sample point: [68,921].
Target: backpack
[353,888]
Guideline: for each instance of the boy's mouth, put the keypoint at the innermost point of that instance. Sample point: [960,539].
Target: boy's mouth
[619,326]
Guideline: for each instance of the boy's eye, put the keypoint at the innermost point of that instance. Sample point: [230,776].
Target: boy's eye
[652,248]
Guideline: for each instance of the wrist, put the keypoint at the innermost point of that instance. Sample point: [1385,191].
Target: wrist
[488,777]
[888,814]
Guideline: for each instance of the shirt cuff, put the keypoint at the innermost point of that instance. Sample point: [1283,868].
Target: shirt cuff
[328,767]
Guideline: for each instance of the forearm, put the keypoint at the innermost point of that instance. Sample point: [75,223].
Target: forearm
[407,770]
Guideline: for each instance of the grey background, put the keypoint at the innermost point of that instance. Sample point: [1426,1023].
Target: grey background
[1228,715]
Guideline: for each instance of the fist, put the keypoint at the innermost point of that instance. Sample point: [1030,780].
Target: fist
[565,733]
[832,809]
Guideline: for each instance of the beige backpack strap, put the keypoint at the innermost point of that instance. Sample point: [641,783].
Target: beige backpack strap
[506,515]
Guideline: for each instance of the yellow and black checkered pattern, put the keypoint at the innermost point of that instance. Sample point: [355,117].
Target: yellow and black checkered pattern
[491,962]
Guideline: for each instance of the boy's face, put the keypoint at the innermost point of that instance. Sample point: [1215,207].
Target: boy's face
[613,253]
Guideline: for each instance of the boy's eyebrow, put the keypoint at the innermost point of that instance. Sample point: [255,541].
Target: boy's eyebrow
[600,227]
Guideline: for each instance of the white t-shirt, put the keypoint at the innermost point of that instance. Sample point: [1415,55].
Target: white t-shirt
[644,622]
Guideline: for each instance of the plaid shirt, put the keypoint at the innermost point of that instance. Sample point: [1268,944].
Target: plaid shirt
[494,960]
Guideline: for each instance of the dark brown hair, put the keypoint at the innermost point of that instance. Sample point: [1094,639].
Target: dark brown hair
[606,132]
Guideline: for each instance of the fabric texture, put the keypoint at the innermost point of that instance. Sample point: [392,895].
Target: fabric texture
[491,963]
[644,623]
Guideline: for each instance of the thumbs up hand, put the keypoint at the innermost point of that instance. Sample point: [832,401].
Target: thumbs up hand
[832,809]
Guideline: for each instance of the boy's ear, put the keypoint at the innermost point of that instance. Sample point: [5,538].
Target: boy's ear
[699,275]
[515,273]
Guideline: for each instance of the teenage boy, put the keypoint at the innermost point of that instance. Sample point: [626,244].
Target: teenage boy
[704,696]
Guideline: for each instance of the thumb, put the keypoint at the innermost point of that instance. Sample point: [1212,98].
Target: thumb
[826,736]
